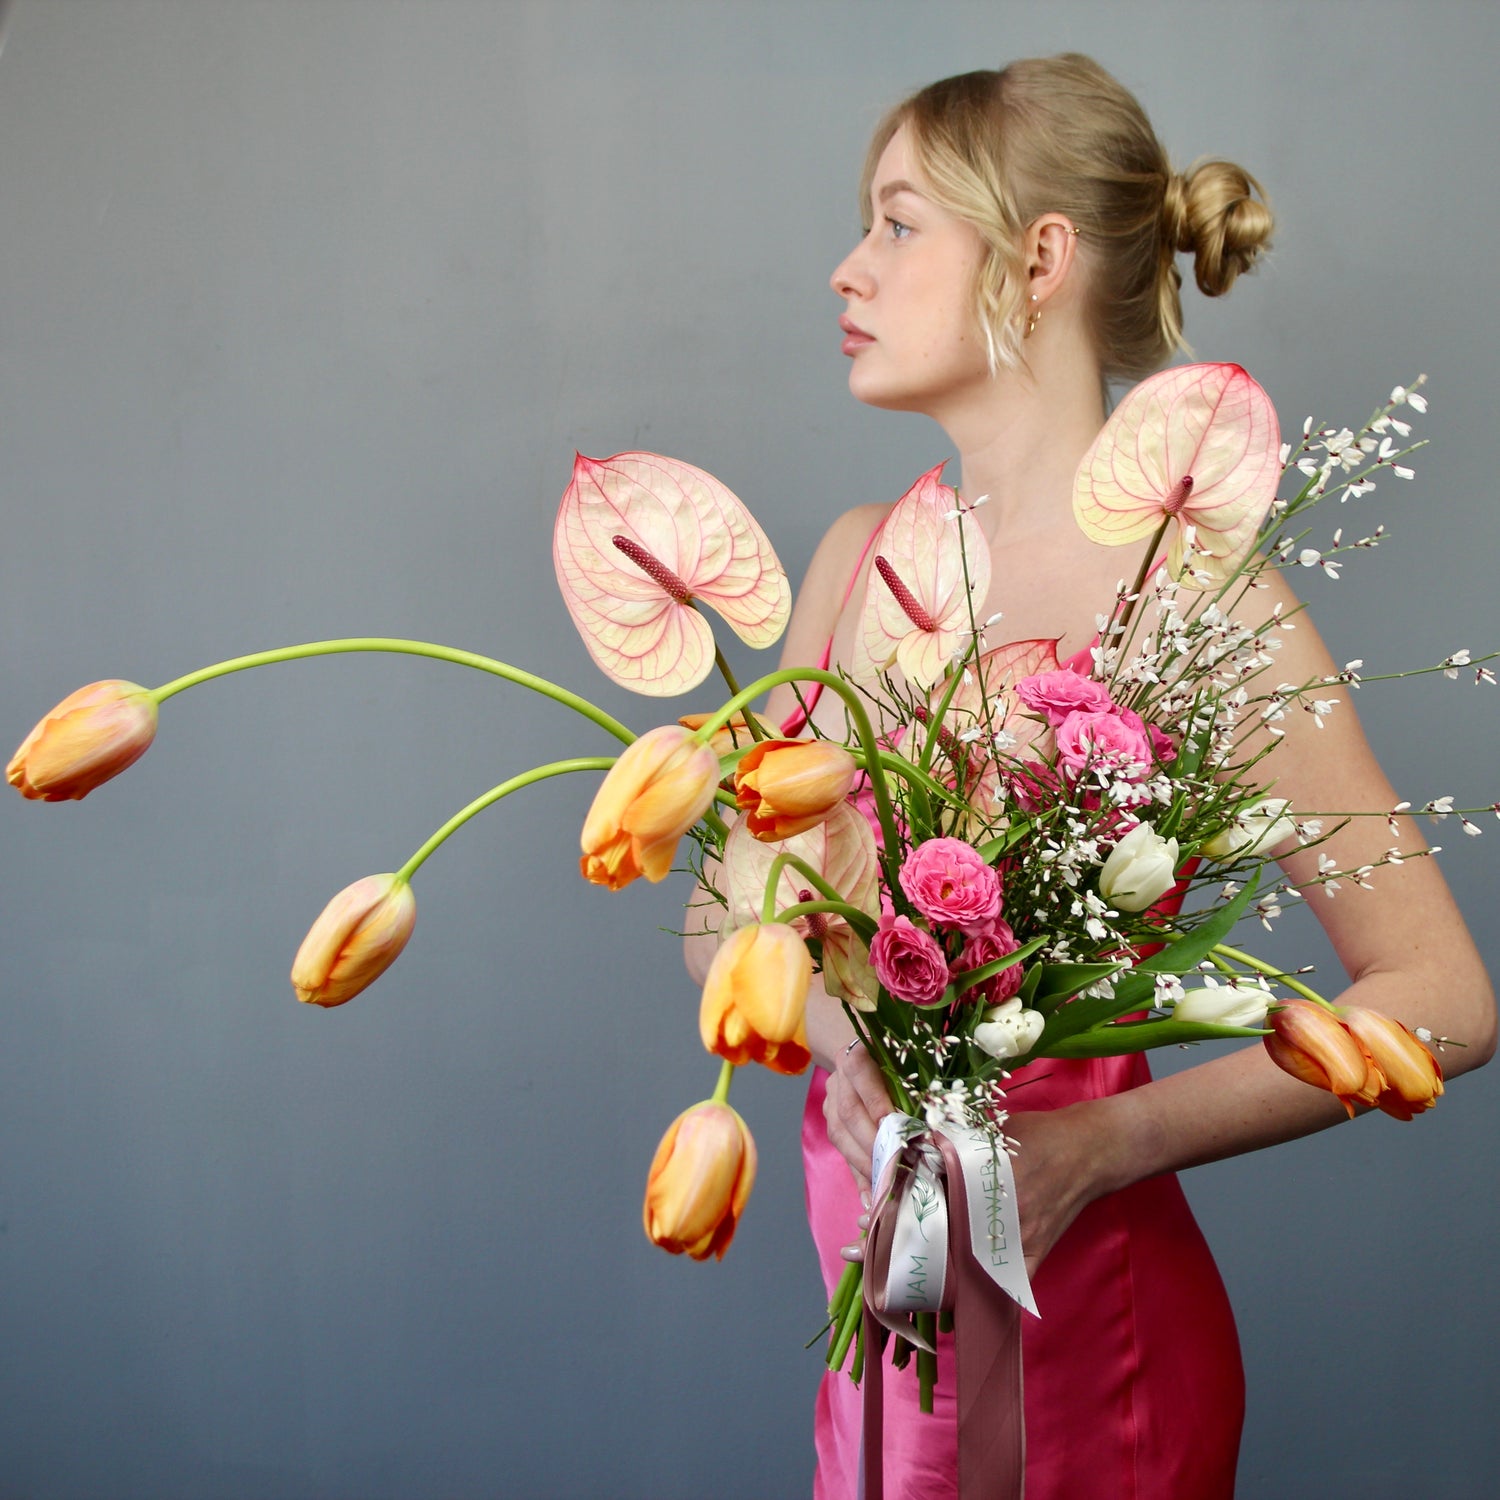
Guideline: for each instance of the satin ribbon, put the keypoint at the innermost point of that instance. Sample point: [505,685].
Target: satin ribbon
[921,1258]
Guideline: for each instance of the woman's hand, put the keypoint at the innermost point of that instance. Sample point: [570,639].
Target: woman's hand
[1056,1171]
[854,1106]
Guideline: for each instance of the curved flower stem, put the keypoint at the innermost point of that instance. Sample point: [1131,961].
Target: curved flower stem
[526,778]
[857,713]
[860,921]
[1271,972]
[852,915]
[721,1088]
[403,648]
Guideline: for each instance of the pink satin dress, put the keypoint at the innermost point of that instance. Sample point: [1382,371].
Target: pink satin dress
[1133,1384]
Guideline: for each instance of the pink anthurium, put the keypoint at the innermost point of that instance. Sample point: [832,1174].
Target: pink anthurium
[638,539]
[916,607]
[842,850]
[1199,445]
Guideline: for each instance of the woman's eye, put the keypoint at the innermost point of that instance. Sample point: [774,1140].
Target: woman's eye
[899,231]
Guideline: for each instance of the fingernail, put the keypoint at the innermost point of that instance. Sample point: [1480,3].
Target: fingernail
[853,1252]
[865,1199]
[864,1221]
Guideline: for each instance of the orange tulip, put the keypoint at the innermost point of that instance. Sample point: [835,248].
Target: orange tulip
[735,735]
[91,735]
[658,788]
[755,998]
[1413,1076]
[699,1182]
[1312,1044]
[359,935]
[789,786]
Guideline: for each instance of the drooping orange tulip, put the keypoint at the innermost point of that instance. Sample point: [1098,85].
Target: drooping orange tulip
[1199,444]
[735,735]
[1312,1044]
[1413,1076]
[638,539]
[755,998]
[90,736]
[786,787]
[842,850]
[916,604]
[358,936]
[658,788]
[699,1182]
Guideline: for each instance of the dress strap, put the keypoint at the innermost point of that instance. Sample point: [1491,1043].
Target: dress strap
[796,721]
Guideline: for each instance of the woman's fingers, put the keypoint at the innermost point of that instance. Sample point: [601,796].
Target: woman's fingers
[855,1104]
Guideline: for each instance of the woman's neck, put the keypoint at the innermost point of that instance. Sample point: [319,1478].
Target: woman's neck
[1020,441]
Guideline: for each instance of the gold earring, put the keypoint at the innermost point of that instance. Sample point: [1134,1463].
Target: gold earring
[1035,317]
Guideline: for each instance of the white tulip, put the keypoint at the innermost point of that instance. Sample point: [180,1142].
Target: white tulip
[1238,1003]
[1141,869]
[1257,828]
[1008,1030]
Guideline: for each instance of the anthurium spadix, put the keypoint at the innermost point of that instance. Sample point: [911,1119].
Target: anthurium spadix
[639,538]
[1198,445]
[931,562]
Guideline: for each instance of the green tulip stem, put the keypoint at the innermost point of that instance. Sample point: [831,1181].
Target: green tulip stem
[727,673]
[834,902]
[721,1089]
[403,648]
[863,728]
[1271,972]
[526,778]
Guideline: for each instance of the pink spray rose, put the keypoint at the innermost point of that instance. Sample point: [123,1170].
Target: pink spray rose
[1055,695]
[951,885]
[985,948]
[1114,742]
[908,961]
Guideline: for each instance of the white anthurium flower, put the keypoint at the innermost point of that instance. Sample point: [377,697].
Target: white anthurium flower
[1256,829]
[1140,870]
[1008,1030]
[1240,1002]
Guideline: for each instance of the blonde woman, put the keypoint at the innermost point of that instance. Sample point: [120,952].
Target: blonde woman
[1023,230]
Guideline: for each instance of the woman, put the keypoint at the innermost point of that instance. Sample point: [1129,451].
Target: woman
[1022,229]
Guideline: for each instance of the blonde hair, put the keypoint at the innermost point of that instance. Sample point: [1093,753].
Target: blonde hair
[1061,135]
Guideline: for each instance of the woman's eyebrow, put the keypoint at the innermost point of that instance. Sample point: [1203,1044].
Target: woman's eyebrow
[897,185]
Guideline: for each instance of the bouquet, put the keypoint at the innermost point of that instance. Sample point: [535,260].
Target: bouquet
[1004,856]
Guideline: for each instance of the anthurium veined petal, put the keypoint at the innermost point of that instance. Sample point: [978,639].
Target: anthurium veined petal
[841,849]
[638,537]
[1199,444]
[917,605]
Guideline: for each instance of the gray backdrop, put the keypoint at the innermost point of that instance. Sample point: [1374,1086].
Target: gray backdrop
[304,308]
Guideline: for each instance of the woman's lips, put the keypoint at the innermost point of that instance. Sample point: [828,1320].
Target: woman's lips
[855,337]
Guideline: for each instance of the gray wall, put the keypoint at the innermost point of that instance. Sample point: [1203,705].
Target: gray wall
[304,308]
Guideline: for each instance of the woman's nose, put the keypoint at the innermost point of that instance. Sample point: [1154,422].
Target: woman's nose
[851,277]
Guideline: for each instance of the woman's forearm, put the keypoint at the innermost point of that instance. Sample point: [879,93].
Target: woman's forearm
[1242,1101]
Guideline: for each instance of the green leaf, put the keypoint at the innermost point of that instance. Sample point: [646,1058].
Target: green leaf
[1138,1036]
[1188,951]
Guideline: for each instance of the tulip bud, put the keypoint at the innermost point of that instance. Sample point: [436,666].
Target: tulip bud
[1256,829]
[789,786]
[1413,1076]
[1232,1004]
[1311,1043]
[658,788]
[1140,870]
[735,735]
[755,998]
[359,935]
[699,1182]
[1008,1030]
[91,735]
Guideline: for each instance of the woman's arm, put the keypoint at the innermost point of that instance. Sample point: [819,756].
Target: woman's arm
[1403,945]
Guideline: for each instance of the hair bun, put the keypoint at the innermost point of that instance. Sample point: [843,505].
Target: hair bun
[1218,212]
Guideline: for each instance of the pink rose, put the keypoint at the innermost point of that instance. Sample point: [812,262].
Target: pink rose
[1108,742]
[985,948]
[908,961]
[951,885]
[1055,695]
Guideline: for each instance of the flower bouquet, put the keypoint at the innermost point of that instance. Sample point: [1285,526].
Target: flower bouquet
[1000,856]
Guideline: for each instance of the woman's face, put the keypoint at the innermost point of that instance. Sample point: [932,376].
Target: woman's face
[910,326]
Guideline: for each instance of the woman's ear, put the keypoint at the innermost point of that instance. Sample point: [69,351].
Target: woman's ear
[1051,251]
